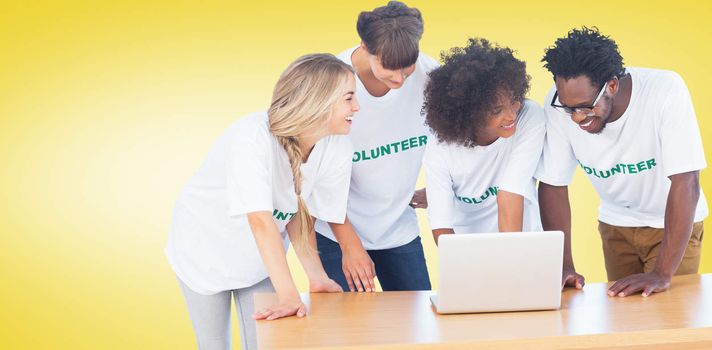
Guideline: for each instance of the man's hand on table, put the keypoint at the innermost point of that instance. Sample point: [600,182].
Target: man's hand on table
[648,283]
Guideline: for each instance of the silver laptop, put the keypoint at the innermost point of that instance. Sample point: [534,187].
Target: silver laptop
[494,272]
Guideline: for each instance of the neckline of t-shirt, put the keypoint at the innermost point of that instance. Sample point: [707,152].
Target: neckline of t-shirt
[389,95]
[494,145]
[315,153]
[618,123]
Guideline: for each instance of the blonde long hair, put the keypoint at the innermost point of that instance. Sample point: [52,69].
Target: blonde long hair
[301,102]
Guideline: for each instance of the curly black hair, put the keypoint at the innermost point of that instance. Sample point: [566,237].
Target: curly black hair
[462,92]
[584,52]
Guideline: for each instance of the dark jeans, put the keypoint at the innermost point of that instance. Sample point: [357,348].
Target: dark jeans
[399,268]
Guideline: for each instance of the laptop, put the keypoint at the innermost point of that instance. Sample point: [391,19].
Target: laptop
[497,272]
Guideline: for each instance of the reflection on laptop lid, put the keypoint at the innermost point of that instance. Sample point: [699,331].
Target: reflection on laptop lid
[494,272]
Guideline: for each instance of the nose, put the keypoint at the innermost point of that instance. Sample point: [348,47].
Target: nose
[398,77]
[354,105]
[578,117]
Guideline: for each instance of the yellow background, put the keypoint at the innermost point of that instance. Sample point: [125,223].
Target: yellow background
[108,107]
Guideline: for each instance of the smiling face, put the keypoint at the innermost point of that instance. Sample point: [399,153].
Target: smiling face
[501,119]
[339,122]
[580,91]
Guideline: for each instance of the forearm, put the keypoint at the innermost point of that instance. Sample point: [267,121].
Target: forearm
[555,212]
[270,245]
[346,235]
[308,255]
[679,215]
[510,211]
[441,231]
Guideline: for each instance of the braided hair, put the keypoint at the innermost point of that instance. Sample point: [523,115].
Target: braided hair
[302,102]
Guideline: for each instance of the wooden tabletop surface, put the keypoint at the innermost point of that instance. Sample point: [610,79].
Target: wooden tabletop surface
[589,319]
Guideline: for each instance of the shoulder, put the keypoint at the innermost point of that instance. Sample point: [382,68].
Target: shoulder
[338,147]
[345,55]
[655,75]
[436,150]
[657,83]
[426,63]
[251,129]
[531,115]
[532,111]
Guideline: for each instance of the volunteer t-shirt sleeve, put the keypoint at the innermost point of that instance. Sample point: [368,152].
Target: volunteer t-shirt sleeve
[328,200]
[438,186]
[249,174]
[526,151]
[557,163]
[680,139]
[428,63]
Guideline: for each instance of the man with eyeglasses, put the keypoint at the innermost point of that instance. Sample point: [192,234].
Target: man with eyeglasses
[634,133]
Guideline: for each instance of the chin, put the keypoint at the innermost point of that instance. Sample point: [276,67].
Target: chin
[596,132]
[392,85]
[396,86]
[508,134]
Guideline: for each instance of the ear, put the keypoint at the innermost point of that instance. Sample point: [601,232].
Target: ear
[613,86]
[362,46]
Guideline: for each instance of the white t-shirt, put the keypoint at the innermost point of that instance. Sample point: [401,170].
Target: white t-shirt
[629,162]
[211,247]
[389,137]
[462,182]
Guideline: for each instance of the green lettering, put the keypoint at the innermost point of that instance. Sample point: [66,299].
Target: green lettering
[587,169]
[423,140]
[404,145]
[484,196]
[631,169]
[395,146]
[357,157]
[651,163]
[282,216]
[364,156]
[617,169]
[467,200]
[386,149]
[413,142]
[376,154]
[641,166]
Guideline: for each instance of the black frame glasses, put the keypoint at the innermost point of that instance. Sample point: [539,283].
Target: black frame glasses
[586,110]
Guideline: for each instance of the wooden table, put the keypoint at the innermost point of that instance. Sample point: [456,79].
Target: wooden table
[680,318]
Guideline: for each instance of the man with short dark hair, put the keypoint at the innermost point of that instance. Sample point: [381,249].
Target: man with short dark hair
[634,132]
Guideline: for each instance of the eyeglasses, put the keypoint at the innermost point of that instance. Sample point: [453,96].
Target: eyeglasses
[585,110]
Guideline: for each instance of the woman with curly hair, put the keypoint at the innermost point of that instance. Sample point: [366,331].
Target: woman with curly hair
[479,174]
[381,235]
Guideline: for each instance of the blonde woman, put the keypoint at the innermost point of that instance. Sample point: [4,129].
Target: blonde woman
[269,172]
